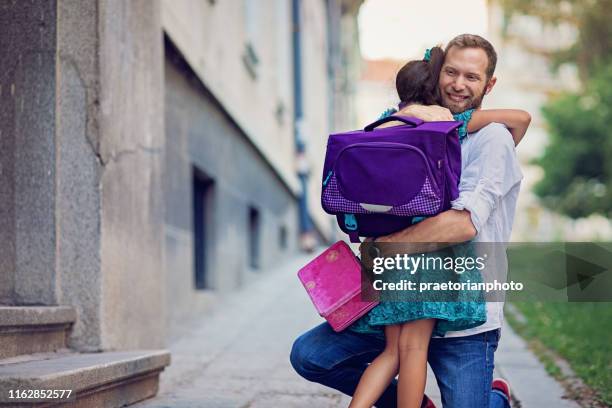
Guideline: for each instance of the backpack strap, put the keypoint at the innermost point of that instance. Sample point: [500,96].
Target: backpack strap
[354,237]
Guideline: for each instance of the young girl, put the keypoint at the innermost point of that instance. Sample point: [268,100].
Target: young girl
[409,325]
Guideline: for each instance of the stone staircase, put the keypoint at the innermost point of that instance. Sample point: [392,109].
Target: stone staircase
[34,356]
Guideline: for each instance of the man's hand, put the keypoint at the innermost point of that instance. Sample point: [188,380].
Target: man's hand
[364,256]
[428,113]
[368,239]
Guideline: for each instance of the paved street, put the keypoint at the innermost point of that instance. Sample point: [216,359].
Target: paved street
[238,355]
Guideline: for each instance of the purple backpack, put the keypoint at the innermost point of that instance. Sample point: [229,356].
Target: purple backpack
[376,180]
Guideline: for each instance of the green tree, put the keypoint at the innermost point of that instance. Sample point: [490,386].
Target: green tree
[577,162]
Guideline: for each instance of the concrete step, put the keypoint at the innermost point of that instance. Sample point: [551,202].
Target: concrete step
[110,379]
[33,329]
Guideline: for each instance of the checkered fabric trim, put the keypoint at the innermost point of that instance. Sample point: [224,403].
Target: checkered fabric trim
[426,202]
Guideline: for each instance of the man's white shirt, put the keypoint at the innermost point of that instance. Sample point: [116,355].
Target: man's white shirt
[488,189]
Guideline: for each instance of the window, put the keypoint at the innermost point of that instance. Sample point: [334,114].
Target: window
[202,217]
[254,237]
[282,237]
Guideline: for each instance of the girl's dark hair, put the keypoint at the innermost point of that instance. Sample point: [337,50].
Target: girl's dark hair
[417,81]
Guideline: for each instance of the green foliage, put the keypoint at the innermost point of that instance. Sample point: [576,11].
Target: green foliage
[577,170]
[576,163]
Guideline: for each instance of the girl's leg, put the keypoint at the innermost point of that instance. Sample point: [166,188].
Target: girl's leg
[379,374]
[413,344]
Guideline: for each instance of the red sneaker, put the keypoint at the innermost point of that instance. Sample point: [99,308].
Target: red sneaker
[501,385]
[427,403]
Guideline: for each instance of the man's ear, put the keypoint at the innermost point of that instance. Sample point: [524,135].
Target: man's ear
[490,84]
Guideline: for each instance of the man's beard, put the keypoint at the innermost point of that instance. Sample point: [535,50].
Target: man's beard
[473,103]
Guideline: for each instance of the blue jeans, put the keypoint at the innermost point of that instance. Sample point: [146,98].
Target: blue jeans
[463,366]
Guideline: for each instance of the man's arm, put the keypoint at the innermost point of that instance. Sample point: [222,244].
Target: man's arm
[450,226]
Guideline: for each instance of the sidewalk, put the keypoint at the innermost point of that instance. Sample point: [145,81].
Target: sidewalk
[238,355]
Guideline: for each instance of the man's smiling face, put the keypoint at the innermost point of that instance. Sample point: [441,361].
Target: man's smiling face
[463,79]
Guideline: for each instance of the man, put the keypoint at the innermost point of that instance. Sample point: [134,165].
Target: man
[484,211]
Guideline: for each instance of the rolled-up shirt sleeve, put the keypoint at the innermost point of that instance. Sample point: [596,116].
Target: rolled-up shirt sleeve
[488,173]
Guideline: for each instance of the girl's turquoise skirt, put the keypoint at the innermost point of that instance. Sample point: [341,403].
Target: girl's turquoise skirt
[453,310]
